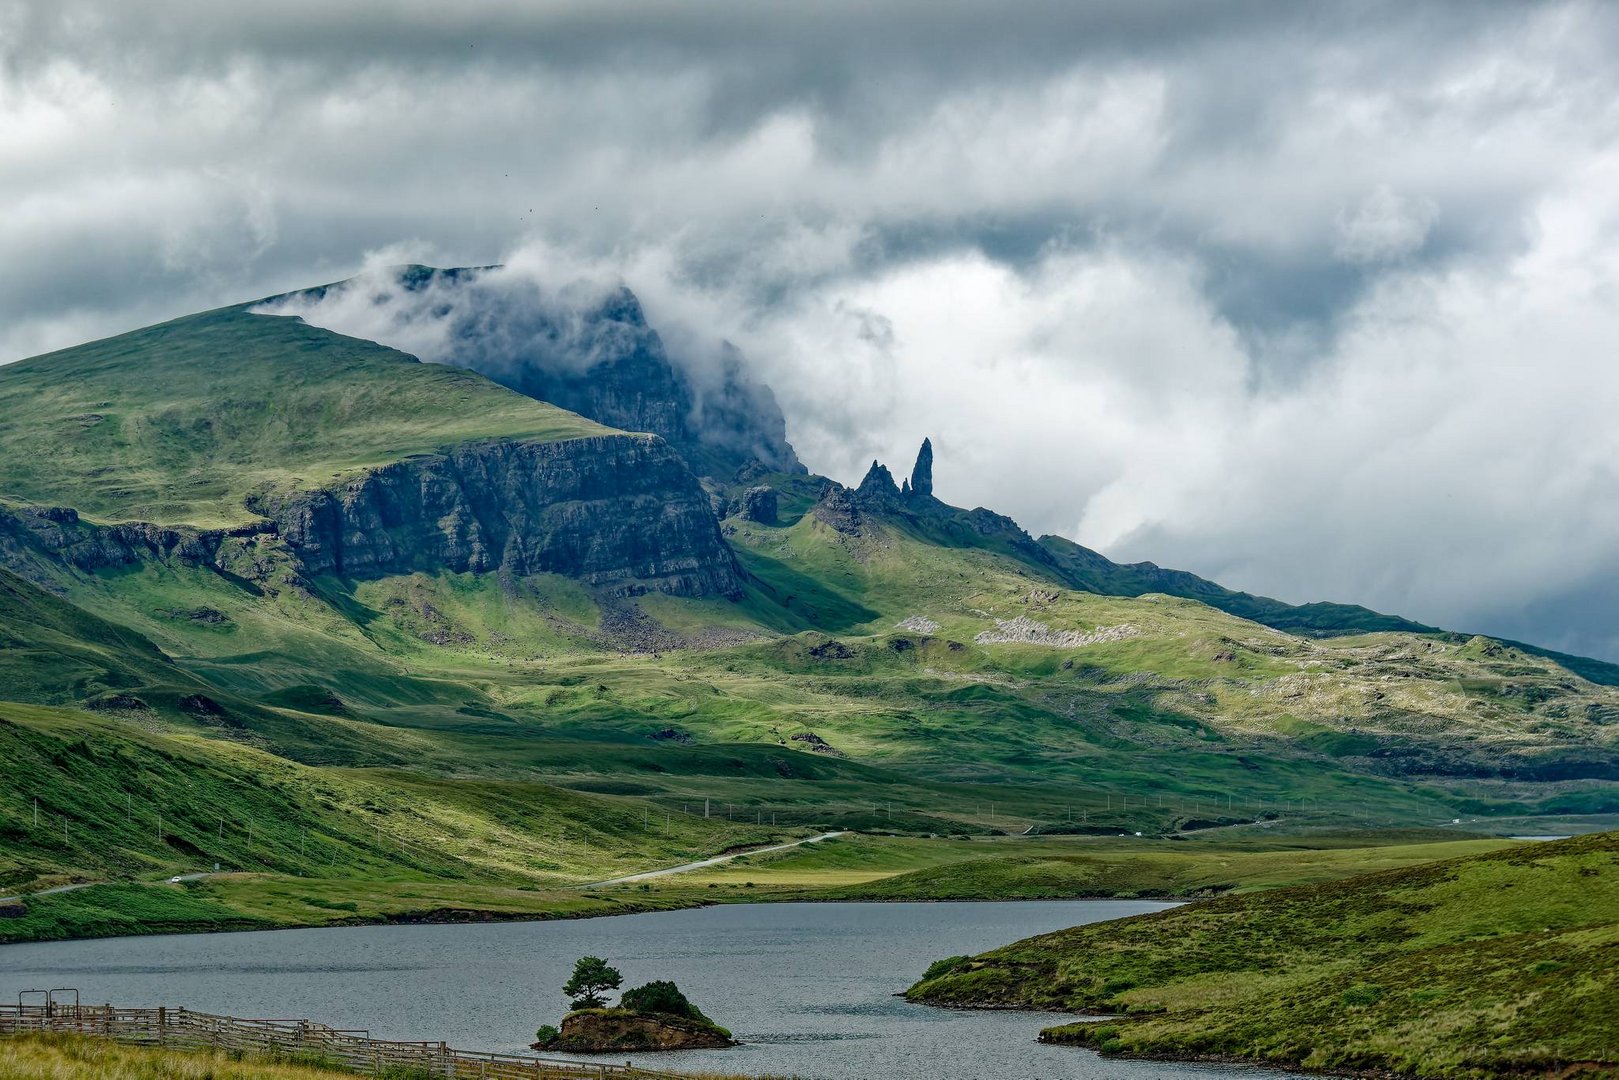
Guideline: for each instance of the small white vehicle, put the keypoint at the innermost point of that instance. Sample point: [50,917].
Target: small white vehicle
[176,880]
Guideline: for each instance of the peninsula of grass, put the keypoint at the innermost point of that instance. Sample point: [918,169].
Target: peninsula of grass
[1501,964]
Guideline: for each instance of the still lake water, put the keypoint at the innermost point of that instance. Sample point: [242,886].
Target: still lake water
[808,988]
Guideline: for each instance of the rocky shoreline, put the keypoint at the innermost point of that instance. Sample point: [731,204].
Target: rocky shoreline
[602,1031]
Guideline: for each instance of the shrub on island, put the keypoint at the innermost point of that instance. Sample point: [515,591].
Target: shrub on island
[653,1016]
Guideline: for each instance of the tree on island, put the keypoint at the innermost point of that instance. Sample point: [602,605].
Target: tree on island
[661,997]
[654,1016]
[592,978]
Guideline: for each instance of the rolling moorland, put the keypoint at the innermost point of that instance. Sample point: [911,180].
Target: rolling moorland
[1504,963]
[385,640]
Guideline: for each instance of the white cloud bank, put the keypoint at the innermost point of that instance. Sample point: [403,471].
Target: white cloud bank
[1319,301]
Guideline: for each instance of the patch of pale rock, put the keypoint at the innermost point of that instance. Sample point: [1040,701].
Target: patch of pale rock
[1026,631]
[919,624]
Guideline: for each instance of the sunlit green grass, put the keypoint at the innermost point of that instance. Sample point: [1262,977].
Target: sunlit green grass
[179,423]
[1501,963]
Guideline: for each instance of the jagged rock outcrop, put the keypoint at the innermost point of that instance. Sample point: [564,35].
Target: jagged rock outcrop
[921,485]
[878,488]
[838,510]
[620,511]
[59,531]
[761,504]
[617,511]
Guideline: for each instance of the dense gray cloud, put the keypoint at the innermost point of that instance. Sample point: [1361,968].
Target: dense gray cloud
[1316,299]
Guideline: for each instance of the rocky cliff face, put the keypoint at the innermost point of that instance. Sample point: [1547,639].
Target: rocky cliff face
[61,533]
[607,363]
[618,511]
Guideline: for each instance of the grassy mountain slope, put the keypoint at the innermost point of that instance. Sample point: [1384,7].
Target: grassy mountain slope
[1088,569]
[1185,713]
[110,798]
[178,423]
[1498,964]
[54,653]
[929,672]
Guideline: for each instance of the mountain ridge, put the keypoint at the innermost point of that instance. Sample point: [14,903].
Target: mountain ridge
[409,570]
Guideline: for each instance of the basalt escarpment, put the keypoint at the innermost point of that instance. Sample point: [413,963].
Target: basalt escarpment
[60,532]
[621,512]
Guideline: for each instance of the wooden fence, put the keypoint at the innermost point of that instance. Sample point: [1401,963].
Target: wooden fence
[354,1050]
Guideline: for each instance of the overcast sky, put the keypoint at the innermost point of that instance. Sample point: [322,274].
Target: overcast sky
[1318,300]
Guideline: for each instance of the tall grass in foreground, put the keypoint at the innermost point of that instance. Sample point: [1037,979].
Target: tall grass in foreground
[76,1057]
[69,1057]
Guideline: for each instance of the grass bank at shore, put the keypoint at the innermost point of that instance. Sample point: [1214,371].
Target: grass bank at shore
[851,867]
[1505,963]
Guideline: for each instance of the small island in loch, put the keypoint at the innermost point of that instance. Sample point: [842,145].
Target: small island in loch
[655,1016]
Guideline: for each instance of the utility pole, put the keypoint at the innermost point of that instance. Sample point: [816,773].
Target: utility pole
[160,827]
[36,813]
[705,806]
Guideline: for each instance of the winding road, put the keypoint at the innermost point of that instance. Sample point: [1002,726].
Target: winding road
[644,875]
[87,884]
[48,892]
[715,861]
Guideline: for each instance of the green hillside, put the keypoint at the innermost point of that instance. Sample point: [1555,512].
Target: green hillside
[178,423]
[1490,965]
[892,665]
[107,799]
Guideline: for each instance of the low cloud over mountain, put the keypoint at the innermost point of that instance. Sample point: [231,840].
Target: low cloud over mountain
[1316,300]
